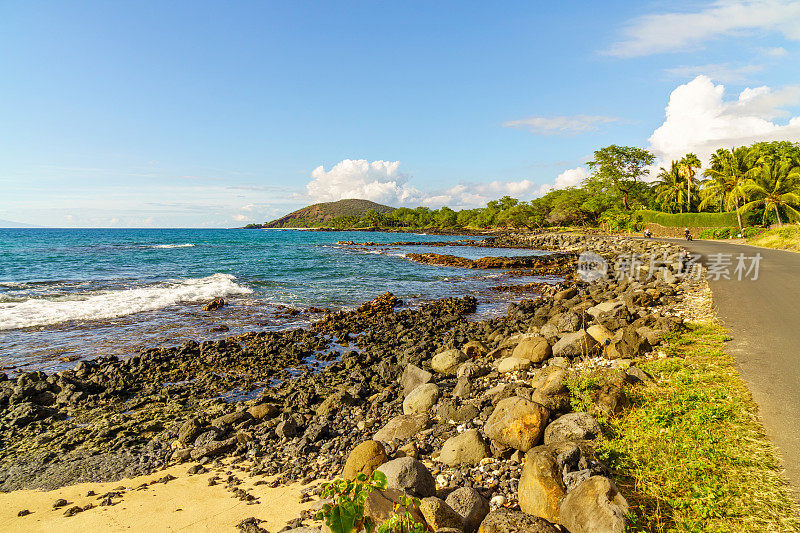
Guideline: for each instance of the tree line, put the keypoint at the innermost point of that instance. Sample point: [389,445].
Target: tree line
[761,180]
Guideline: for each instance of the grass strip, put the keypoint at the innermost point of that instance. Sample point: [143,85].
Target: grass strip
[690,454]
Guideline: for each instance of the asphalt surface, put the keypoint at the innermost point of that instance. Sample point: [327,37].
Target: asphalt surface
[763,317]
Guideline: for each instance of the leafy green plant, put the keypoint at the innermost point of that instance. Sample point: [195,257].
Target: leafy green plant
[581,388]
[346,512]
[402,521]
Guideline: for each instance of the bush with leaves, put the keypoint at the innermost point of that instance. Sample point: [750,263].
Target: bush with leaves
[402,521]
[346,512]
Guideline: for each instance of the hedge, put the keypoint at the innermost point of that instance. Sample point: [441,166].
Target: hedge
[689,220]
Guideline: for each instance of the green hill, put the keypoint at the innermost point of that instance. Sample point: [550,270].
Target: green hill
[316,215]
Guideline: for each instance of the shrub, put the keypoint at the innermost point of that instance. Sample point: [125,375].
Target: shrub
[690,220]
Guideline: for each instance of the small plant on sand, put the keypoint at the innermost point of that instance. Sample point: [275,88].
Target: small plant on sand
[402,521]
[346,512]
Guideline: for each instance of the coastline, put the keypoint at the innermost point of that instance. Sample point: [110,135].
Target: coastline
[305,429]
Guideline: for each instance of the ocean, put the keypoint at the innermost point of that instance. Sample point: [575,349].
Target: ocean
[67,294]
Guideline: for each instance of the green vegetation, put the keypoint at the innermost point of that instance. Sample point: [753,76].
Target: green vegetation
[349,212]
[402,521]
[756,183]
[690,455]
[346,513]
[692,220]
[785,238]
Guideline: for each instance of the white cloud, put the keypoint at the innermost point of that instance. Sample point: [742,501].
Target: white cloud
[778,51]
[700,120]
[478,194]
[560,125]
[667,32]
[571,177]
[379,181]
[240,217]
[722,72]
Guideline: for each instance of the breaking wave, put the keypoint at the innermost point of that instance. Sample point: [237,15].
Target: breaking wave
[99,305]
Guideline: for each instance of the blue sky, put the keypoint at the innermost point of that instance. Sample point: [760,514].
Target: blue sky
[196,114]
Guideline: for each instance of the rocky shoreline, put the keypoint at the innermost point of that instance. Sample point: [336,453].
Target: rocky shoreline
[475,417]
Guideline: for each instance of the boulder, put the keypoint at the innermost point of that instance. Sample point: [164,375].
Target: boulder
[475,349]
[465,448]
[574,344]
[447,362]
[364,459]
[601,334]
[421,399]
[439,515]
[189,431]
[594,505]
[470,506]
[408,475]
[413,377]
[605,307]
[567,321]
[513,364]
[541,486]
[535,349]
[508,521]
[609,400]
[571,427]
[263,410]
[402,427]
[333,403]
[517,423]
[380,506]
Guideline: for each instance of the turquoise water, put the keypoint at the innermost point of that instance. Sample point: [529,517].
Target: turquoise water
[87,292]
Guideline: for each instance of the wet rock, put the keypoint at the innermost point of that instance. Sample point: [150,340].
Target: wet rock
[470,506]
[517,423]
[594,506]
[214,304]
[465,448]
[508,521]
[421,399]
[571,427]
[364,459]
[410,476]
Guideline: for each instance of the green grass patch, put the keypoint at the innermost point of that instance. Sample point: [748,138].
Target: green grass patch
[785,238]
[689,220]
[690,455]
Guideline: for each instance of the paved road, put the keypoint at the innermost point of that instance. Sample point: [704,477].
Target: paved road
[763,317]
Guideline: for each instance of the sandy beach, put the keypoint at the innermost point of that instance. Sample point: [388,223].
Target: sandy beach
[186,503]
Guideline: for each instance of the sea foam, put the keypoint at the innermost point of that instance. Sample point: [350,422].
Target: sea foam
[187,245]
[109,304]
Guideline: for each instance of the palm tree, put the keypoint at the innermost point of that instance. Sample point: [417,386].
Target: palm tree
[669,188]
[687,167]
[773,187]
[727,180]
